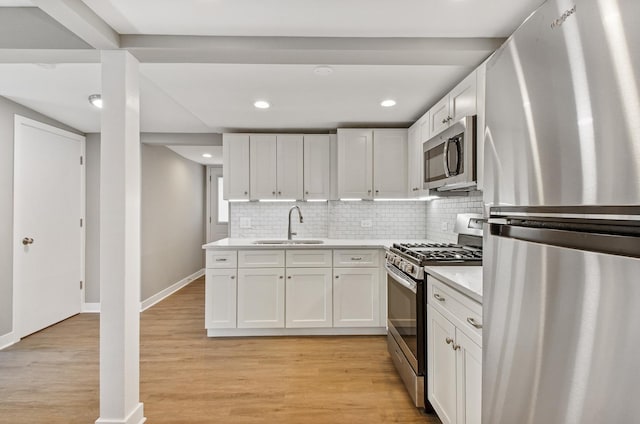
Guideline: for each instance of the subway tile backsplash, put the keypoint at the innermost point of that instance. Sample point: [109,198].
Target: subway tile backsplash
[333,219]
[344,220]
[444,210]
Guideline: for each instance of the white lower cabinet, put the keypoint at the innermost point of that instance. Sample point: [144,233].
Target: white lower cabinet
[261,298]
[454,359]
[220,302]
[309,301]
[356,297]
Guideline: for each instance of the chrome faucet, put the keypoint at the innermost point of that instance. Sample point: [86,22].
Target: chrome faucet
[289,233]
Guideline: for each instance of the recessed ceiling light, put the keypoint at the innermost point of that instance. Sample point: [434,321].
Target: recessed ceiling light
[323,70]
[261,104]
[96,100]
[388,103]
[207,155]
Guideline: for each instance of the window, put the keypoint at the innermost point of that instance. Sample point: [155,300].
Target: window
[223,205]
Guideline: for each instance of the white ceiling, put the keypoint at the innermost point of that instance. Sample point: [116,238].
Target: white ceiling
[217,97]
[316,18]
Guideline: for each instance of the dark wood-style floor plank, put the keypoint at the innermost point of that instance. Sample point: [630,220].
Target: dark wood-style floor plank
[186,377]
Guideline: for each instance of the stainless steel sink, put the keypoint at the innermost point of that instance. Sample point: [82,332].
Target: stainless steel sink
[288,242]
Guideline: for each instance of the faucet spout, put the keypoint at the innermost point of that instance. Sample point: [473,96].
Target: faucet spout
[289,233]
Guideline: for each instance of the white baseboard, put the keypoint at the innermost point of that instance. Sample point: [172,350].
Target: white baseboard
[147,303]
[91,308]
[7,340]
[135,417]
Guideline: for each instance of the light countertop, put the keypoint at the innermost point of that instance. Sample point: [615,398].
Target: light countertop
[465,279]
[236,243]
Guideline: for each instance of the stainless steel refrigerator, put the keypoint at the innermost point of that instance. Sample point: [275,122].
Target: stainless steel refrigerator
[562,247]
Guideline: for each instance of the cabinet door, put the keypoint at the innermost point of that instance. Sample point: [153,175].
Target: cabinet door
[290,166]
[356,297]
[263,167]
[355,164]
[462,99]
[390,164]
[469,380]
[440,117]
[309,301]
[220,303]
[261,298]
[414,160]
[441,366]
[317,167]
[235,170]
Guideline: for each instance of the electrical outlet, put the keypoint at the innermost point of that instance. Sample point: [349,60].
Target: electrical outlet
[245,222]
[366,223]
[444,226]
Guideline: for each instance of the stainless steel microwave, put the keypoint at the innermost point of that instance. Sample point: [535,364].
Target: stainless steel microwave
[449,158]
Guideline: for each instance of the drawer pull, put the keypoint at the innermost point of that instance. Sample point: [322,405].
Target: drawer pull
[475,323]
[356,258]
[438,297]
[221,260]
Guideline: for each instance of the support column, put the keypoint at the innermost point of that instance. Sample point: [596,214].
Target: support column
[120,241]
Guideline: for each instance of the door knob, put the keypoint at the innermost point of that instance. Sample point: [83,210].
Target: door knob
[27,240]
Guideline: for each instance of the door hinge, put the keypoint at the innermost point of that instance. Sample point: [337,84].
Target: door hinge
[81,160]
[81,222]
[80,285]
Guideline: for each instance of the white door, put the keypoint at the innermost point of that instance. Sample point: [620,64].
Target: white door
[261,298]
[356,298]
[390,164]
[309,301]
[263,167]
[217,206]
[48,253]
[289,162]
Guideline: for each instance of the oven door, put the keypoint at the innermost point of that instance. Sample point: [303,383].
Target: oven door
[405,309]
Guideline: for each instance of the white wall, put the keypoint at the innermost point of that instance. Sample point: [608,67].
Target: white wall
[334,219]
[7,111]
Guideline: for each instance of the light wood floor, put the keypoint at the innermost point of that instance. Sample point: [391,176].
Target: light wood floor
[52,376]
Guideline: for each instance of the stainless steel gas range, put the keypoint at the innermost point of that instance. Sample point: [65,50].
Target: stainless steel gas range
[406,298]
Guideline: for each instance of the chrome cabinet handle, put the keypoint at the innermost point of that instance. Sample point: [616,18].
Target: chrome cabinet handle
[449,340]
[473,322]
[438,297]
[27,241]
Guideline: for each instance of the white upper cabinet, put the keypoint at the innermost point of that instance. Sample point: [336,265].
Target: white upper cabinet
[263,167]
[414,158]
[372,163]
[355,163]
[290,166]
[276,166]
[460,102]
[235,152]
[317,167]
[390,163]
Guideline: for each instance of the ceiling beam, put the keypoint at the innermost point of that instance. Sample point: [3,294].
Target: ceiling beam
[310,50]
[78,18]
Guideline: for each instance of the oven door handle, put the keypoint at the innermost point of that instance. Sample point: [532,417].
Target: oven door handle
[401,279]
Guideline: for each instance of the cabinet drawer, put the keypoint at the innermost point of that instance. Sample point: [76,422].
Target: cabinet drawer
[308,258]
[356,258]
[222,258]
[261,258]
[465,312]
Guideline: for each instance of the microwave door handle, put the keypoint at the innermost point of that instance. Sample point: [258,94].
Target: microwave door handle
[445,157]
[459,154]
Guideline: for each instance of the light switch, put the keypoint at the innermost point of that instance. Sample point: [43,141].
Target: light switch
[245,222]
